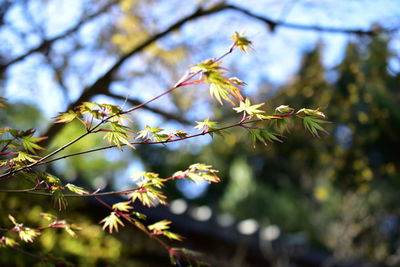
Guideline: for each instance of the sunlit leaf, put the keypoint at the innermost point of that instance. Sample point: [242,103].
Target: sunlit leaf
[159,226]
[311,112]
[112,221]
[28,234]
[148,196]
[22,157]
[242,42]
[66,117]
[76,189]
[283,109]
[205,125]
[249,109]
[29,143]
[7,242]
[48,216]
[12,219]
[58,199]
[122,206]
[117,135]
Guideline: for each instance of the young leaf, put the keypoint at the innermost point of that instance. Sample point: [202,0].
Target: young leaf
[66,117]
[112,221]
[311,112]
[283,109]
[118,135]
[200,172]
[263,135]
[242,42]
[29,143]
[122,206]
[313,125]
[76,189]
[49,217]
[159,226]
[152,133]
[205,125]
[149,196]
[172,236]
[148,179]
[28,234]
[59,199]
[12,219]
[22,157]
[7,242]
[249,109]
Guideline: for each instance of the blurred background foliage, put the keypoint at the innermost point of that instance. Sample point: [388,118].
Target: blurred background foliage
[337,193]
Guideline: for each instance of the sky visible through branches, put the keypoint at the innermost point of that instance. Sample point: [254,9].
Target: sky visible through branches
[276,55]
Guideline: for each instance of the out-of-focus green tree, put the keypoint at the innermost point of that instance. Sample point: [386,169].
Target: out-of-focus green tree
[340,191]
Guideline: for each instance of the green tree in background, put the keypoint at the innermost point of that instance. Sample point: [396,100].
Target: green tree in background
[341,190]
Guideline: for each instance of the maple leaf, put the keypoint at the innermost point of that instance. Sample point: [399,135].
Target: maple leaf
[205,125]
[28,234]
[249,109]
[112,221]
[122,206]
[242,42]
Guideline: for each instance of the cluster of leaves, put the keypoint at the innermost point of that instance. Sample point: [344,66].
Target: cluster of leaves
[28,234]
[148,192]
[110,116]
[21,147]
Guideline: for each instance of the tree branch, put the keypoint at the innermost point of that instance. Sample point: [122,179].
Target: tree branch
[47,43]
[101,86]
[272,24]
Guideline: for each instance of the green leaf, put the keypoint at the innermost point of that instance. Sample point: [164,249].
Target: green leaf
[29,143]
[112,221]
[66,117]
[311,112]
[220,86]
[172,236]
[51,179]
[7,242]
[199,172]
[205,125]
[22,157]
[59,199]
[12,219]
[28,235]
[49,216]
[148,196]
[148,179]
[118,135]
[122,206]
[284,109]
[248,108]
[263,135]
[242,42]
[152,133]
[159,226]
[76,189]
[313,125]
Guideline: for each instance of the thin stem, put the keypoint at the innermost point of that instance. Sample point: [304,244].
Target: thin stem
[242,123]
[186,77]
[129,219]
[34,191]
